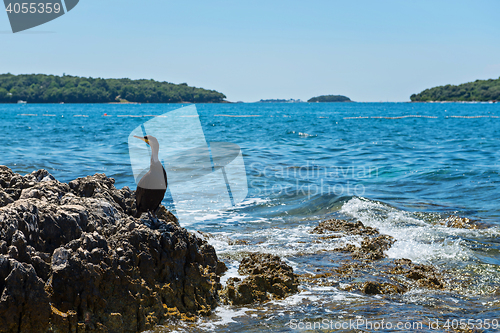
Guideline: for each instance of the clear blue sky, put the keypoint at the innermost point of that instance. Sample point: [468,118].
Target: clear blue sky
[372,50]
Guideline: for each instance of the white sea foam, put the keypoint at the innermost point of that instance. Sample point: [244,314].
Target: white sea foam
[222,316]
[284,242]
[296,299]
[225,315]
[306,135]
[416,239]
[223,216]
[232,271]
[252,202]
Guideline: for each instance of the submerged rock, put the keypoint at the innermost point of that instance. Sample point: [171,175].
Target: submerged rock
[346,227]
[372,246]
[72,258]
[426,276]
[366,269]
[268,278]
[374,288]
[454,221]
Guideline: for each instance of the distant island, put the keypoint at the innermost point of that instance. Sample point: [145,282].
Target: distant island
[291,100]
[479,91]
[329,98]
[40,88]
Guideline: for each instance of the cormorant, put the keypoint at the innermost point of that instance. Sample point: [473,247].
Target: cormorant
[153,185]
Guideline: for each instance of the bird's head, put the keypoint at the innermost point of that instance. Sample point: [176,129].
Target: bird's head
[150,140]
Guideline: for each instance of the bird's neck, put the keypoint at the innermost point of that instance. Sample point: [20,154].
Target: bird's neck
[154,157]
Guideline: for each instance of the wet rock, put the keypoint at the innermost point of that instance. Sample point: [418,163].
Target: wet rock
[366,278]
[268,278]
[221,268]
[365,269]
[454,221]
[407,274]
[353,268]
[373,244]
[372,248]
[73,259]
[374,288]
[426,276]
[238,242]
[346,227]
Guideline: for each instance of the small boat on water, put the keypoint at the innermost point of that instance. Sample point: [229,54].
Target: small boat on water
[21,102]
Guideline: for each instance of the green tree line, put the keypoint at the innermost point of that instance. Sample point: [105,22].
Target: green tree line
[40,88]
[329,98]
[479,90]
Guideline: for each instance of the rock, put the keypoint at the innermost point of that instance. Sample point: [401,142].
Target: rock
[425,275]
[407,274]
[373,244]
[12,182]
[24,305]
[364,268]
[372,248]
[74,259]
[5,198]
[374,288]
[165,214]
[454,221]
[350,228]
[268,278]
[39,176]
[238,242]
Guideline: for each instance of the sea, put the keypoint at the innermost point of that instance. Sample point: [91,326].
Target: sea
[402,168]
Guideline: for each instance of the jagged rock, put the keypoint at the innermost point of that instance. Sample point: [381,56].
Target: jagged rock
[238,242]
[5,199]
[350,228]
[425,275]
[454,221]
[367,273]
[268,278]
[74,259]
[382,277]
[372,248]
[374,288]
[221,268]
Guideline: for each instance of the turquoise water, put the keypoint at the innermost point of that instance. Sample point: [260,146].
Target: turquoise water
[400,167]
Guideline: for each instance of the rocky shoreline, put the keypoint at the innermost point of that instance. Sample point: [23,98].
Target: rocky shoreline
[267,277]
[367,270]
[73,259]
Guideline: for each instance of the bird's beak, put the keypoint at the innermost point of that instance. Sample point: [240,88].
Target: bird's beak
[141,138]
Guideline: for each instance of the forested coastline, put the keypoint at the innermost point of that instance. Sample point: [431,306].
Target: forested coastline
[41,88]
[479,91]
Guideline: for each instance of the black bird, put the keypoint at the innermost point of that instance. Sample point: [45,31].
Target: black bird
[153,185]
